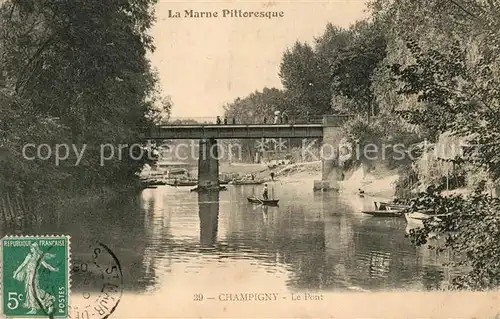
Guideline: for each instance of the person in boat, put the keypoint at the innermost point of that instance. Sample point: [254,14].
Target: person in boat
[264,192]
[272,176]
[361,191]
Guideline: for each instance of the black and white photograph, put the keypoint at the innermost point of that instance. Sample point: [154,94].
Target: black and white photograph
[250,159]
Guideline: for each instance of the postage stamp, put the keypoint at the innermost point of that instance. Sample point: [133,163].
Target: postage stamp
[35,276]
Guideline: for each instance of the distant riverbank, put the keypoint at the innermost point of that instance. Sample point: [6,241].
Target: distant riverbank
[378,182]
[296,171]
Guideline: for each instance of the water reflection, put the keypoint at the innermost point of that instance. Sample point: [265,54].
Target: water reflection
[265,213]
[208,206]
[311,241]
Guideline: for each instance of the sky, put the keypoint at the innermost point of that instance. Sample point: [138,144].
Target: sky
[204,63]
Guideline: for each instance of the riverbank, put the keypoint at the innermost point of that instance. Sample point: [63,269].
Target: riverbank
[297,171]
[378,182]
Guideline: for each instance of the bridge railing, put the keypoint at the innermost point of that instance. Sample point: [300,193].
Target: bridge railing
[183,121]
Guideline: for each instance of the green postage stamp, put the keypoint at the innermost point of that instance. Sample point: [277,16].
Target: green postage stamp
[35,276]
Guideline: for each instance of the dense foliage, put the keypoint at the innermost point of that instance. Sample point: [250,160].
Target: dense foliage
[75,73]
[451,70]
[470,227]
[411,72]
[332,76]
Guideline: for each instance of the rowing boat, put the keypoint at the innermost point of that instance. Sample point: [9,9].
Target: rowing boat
[268,202]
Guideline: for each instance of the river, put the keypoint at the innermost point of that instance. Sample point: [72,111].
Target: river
[313,241]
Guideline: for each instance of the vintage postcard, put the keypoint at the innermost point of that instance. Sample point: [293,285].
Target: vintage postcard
[250,159]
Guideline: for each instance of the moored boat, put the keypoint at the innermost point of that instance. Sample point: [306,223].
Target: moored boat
[417,216]
[183,183]
[416,220]
[390,205]
[190,183]
[209,189]
[246,182]
[155,182]
[384,212]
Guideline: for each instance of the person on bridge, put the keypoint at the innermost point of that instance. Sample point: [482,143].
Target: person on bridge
[218,120]
[234,121]
[265,120]
[225,121]
[276,116]
[264,192]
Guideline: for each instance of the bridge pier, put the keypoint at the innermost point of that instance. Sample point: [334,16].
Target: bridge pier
[208,164]
[331,171]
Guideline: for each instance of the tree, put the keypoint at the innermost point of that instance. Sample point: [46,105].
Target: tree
[255,108]
[305,78]
[354,65]
[335,74]
[470,228]
[84,64]
[451,69]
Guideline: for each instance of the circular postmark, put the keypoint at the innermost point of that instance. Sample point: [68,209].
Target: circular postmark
[97,284]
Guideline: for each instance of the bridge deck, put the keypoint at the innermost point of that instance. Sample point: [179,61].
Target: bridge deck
[230,131]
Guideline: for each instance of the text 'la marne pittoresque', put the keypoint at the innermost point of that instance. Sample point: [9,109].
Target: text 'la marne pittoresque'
[225,13]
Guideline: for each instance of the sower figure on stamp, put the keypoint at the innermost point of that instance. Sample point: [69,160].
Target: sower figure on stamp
[28,272]
[264,192]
